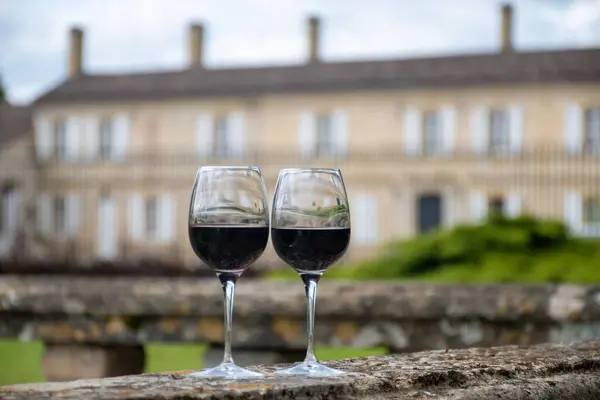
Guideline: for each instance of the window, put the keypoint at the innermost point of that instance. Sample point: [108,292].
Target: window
[432,139]
[496,206]
[5,196]
[222,137]
[591,142]
[151,222]
[106,139]
[499,132]
[325,145]
[60,214]
[591,210]
[61,139]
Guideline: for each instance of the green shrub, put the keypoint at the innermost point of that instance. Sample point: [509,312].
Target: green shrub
[500,250]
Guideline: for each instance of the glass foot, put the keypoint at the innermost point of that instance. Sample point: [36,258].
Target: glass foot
[227,371]
[310,369]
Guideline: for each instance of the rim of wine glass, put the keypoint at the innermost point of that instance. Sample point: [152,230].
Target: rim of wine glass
[327,170]
[233,167]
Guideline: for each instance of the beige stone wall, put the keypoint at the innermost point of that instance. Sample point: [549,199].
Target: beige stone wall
[375,126]
[18,170]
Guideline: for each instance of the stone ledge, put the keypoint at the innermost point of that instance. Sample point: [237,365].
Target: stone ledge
[536,372]
[260,298]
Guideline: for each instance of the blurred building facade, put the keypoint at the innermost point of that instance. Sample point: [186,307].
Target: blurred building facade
[422,143]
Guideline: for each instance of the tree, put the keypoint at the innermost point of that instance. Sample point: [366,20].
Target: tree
[2,92]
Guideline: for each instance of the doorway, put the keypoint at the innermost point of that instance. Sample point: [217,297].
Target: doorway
[429,212]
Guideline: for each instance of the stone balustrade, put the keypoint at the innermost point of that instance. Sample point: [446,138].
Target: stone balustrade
[92,324]
[510,372]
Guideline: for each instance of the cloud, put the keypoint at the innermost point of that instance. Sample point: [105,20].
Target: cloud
[134,35]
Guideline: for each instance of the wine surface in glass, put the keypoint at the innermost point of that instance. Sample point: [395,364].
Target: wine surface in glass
[228,248]
[310,250]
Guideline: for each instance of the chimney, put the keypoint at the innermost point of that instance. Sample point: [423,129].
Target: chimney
[196,43]
[507,27]
[75,52]
[313,39]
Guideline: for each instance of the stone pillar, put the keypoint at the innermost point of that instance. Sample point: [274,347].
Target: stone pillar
[247,357]
[65,362]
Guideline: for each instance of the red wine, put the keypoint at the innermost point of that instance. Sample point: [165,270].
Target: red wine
[228,249]
[310,250]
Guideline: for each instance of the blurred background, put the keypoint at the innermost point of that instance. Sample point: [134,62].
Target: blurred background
[468,134]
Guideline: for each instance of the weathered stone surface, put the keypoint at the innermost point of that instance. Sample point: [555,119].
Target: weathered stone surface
[271,315]
[371,300]
[539,372]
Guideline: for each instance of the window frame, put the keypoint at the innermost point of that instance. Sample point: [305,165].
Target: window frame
[324,135]
[221,133]
[106,134]
[499,128]
[151,217]
[496,205]
[591,132]
[591,210]
[59,213]
[431,131]
[60,134]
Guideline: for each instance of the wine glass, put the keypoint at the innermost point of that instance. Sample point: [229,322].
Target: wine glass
[310,230]
[228,229]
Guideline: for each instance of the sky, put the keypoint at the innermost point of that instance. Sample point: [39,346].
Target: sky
[147,35]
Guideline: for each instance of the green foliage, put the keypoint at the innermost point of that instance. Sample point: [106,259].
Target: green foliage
[524,250]
[2,91]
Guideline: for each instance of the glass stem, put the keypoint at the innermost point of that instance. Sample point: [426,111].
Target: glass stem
[310,285]
[229,292]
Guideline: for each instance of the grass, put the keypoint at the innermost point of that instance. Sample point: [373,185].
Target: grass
[21,362]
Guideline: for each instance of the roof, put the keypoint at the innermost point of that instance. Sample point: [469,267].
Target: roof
[14,121]
[571,65]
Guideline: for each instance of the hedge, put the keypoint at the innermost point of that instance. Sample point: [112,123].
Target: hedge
[500,250]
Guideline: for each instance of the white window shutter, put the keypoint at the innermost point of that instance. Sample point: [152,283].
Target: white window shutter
[513,205]
[44,217]
[413,142]
[516,128]
[44,138]
[340,131]
[136,217]
[72,214]
[91,138]
[121,132]
[365,217]
[573,128]
[307,133]
[205,135]
[478,205]
[573,212]
[166,211]
[479,130]
[236,134]
[73,134]
[448,114]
